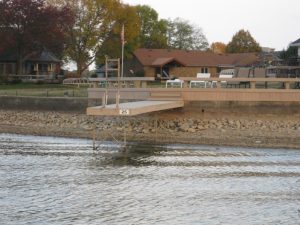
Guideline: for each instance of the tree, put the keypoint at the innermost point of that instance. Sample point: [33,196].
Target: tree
[30,25]
[290,56]
[218,47]
[242,42]
[183,35]
[153,32]
[112,45]
[93,21]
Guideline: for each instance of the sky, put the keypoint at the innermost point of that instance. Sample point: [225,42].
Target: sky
[272,23]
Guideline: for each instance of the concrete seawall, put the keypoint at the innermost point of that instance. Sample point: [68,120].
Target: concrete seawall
[79,105]
[213,123]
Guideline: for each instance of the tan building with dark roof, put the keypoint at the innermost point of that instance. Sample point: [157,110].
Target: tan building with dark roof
[35,63]
[181,63]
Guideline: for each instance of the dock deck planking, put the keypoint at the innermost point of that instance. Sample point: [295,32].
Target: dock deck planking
[134,108]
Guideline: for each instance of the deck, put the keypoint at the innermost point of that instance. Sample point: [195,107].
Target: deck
[134,108]
[145,99]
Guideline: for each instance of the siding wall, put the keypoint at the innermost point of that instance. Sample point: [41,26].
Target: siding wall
[191,71]
[181,71]
[149,71]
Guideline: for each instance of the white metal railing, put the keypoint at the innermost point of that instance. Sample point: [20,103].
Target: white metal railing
[31,77]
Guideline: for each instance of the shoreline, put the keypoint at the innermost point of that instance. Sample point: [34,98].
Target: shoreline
[258,131]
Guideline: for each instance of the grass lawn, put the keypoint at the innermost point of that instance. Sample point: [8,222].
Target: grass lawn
[32,86]
[42,90]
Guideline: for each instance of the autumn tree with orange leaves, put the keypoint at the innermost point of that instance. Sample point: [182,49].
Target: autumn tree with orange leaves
[218,47]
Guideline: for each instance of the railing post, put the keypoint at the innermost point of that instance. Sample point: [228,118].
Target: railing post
[144,84]
[104,100]
[253,84]
[287,85]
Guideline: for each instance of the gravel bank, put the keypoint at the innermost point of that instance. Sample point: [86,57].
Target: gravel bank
[274,131]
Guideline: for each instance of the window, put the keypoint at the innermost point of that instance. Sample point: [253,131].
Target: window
[43,67]
[204,70]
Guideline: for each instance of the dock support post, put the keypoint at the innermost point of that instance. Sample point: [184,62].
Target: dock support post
[94,138]
[156,127]
[125,138]
[117,100]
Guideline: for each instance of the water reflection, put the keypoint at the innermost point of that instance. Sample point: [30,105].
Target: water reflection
[132,155]
[47,180]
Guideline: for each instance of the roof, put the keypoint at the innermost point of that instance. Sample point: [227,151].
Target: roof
[164,61]
[38,56]
[156,57]
[44,56]
[296,43]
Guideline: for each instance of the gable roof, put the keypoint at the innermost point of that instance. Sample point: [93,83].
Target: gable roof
[296,43]
[37,56]
[155,57]
[43,56]
[164,61]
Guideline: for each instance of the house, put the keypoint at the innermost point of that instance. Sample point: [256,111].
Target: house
[181,63]
[269,57]
[296,44]
[39,63]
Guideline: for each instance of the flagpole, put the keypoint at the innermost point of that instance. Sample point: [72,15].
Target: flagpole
[123,42]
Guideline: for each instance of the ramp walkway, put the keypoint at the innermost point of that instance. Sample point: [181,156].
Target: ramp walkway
[134,108]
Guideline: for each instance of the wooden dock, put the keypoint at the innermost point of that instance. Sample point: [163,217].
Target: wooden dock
[147,100]
[134,108]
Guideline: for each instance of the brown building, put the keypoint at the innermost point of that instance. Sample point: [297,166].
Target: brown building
[36,63]
[181,63]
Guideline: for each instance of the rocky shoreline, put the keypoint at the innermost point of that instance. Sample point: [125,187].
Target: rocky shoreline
[271,131]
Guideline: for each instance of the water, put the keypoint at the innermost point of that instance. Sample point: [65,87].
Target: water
[45,180]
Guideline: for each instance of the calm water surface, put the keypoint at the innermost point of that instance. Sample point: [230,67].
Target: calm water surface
[46,180]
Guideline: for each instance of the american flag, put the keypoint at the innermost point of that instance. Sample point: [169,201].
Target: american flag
[122,35]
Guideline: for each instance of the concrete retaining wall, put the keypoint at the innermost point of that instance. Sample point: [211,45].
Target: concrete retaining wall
[46,104]
[248,108]
[79,105]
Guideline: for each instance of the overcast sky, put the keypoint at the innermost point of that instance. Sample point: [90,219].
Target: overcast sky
[273,23]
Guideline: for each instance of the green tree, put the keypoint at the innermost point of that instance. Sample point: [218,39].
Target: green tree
[153,32]
[242,42]
[92,24]
[183,35]
[112,45]
[289,56]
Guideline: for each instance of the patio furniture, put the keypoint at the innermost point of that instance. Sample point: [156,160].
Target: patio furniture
[174,83]
[200,83]
[228,73]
